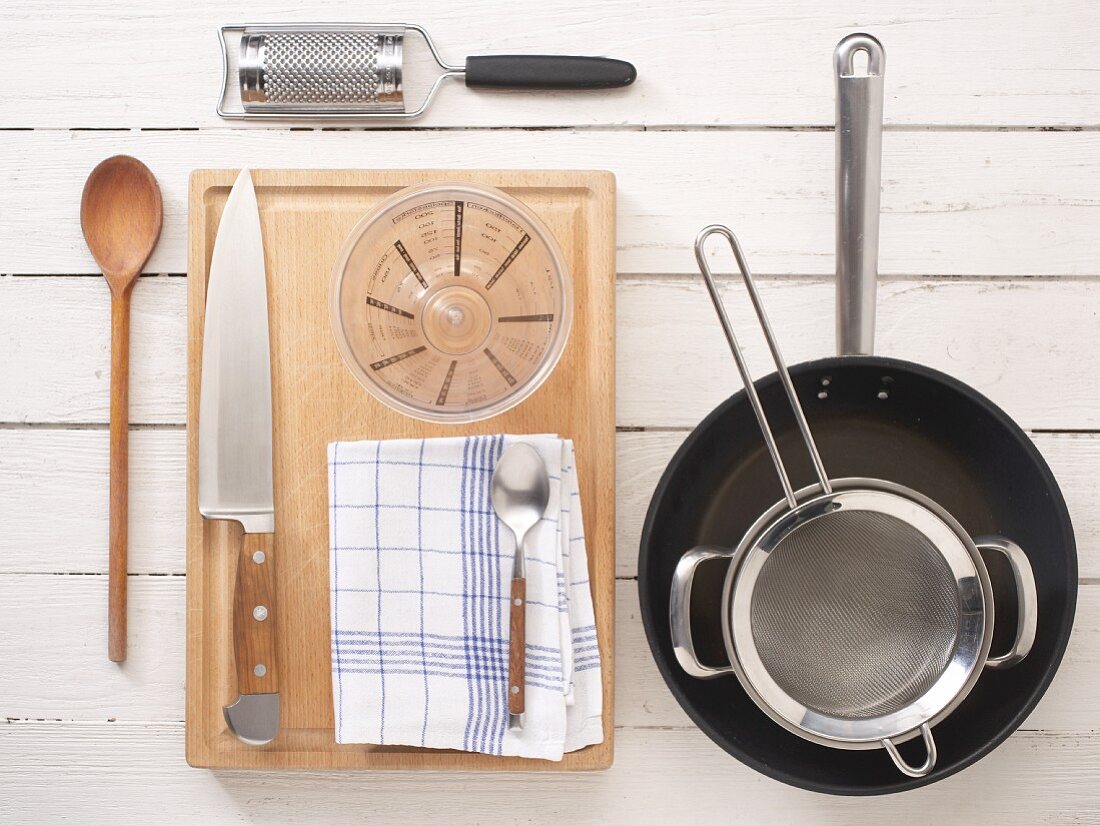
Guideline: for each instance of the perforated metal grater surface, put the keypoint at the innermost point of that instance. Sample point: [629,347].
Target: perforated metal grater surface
[321,67]
[330,69]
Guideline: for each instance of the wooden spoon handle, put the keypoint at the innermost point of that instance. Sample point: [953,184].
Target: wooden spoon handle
[517,649]
[120,427]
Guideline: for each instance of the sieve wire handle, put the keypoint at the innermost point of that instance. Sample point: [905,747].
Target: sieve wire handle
[742,367]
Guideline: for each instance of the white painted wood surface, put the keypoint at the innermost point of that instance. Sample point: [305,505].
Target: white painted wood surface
[957,202]
[105,64]
[990,247]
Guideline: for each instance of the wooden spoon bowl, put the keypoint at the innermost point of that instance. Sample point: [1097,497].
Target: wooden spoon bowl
[121,215]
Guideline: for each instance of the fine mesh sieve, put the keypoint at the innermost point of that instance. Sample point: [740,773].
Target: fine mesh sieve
[363,71]
[836,633]
[859,610]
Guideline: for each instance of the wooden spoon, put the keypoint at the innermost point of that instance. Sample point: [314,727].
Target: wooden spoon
[120,213]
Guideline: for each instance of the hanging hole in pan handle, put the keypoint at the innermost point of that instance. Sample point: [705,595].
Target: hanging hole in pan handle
[679,611]
[904,767]
[853,45]
[1027,615]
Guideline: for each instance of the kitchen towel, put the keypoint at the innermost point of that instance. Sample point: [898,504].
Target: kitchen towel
[420,575]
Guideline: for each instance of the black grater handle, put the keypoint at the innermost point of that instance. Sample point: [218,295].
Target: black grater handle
[547,72]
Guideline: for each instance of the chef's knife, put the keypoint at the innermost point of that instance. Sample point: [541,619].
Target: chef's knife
[235,466]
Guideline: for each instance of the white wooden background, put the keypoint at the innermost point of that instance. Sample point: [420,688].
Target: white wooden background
[991,265]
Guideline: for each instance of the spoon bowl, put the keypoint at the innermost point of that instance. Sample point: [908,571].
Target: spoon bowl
[520,490]
[121,215]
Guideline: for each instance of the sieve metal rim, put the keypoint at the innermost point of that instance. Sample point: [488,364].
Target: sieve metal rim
[955,682]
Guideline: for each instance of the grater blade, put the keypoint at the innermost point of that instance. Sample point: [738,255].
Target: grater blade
[320,70]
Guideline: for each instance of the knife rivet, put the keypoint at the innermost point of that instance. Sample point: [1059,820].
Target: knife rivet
[517,601]
[515,689]
[260,670]
[259,557]
[259,613]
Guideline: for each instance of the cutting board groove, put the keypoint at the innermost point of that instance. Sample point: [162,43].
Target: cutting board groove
[306,215]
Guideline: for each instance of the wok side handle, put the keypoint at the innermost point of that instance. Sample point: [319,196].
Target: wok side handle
[679,612]
[1027,594]
[858,184]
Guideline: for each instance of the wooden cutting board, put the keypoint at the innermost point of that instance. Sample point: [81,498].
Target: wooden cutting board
[306,214]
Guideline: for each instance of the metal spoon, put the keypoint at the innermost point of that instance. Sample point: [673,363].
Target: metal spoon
[120,213]
[520,492]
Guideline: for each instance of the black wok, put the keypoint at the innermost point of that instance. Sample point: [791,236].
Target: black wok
[871,417]
[932,434]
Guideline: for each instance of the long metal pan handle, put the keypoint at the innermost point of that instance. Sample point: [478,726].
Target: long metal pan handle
[858,183]
[742,368]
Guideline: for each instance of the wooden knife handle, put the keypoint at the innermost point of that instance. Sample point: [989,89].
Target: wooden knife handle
[517,650]
[254,616]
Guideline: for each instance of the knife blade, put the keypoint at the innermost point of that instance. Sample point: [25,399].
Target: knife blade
[235,452]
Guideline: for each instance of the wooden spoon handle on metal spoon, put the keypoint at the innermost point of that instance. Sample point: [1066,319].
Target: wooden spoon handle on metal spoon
[517,649]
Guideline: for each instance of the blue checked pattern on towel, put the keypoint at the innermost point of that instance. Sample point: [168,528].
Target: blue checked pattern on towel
[420,576]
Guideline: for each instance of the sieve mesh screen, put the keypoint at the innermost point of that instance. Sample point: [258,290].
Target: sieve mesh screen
[855,614]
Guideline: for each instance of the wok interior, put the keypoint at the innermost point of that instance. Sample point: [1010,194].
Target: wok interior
[930,434]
